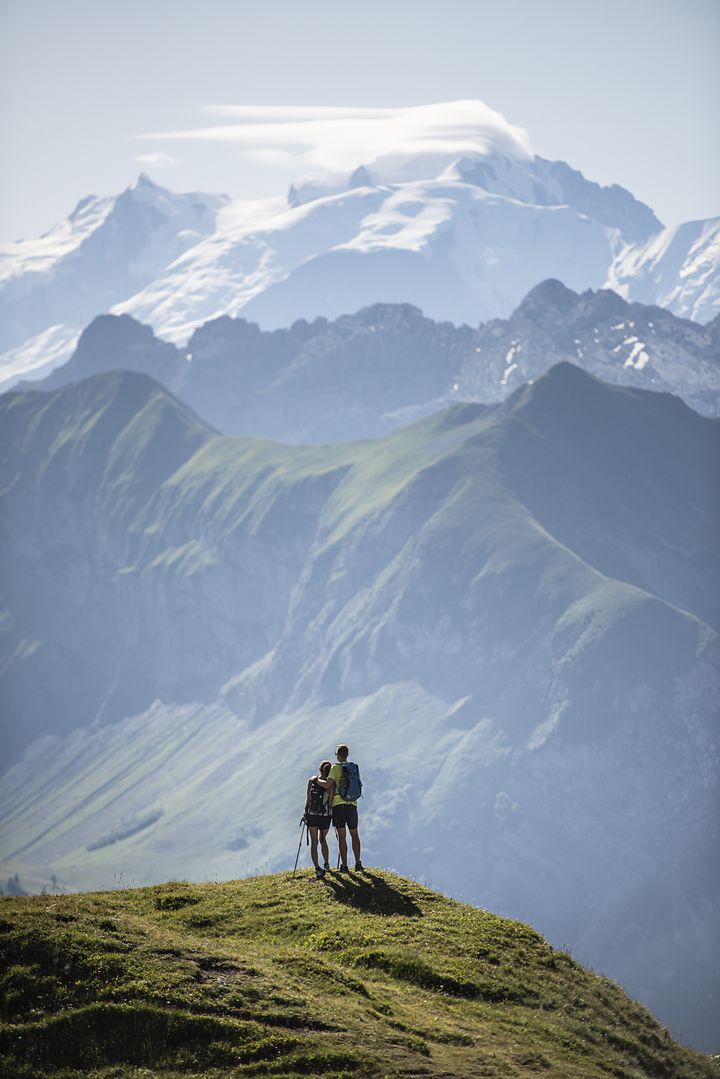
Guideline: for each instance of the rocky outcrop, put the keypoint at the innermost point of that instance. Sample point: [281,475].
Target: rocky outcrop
[367,374]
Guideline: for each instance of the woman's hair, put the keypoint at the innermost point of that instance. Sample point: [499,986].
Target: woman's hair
[324,768]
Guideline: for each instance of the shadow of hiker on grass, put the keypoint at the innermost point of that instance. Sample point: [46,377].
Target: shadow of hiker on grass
[369,892]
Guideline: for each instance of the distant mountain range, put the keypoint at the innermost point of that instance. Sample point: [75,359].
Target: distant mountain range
[365,375]
[510,612]
[463,239]
[340,465]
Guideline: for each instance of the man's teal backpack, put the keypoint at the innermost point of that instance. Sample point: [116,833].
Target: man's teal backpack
[350,786]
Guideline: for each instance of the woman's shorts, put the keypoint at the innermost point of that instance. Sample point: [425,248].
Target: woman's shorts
[315,820]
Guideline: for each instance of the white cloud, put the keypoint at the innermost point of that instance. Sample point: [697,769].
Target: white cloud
[273,113]
[158,159]
[335,139]
[271,155]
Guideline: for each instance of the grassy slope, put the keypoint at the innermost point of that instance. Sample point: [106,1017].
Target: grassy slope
[359,975]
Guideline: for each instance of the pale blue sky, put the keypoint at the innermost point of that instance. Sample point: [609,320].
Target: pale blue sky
[628,91]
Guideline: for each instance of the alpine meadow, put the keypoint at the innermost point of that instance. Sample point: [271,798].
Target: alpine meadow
[359,536]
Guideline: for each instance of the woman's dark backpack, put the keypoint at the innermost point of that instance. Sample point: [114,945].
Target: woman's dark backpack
[316,800]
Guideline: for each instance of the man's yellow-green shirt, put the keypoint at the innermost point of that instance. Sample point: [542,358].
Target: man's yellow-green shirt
[335,773]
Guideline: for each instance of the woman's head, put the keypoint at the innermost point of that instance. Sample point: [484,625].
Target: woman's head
[323,769]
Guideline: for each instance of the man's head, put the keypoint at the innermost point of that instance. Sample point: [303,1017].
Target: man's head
[342,753]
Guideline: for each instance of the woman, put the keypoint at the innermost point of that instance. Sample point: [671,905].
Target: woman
[318,818]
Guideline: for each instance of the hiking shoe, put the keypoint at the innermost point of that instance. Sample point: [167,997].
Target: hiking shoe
[326,867]
[319,873]
[344,869]
[359,867]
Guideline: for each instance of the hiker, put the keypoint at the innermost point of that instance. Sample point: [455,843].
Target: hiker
[344,786]
[318,818]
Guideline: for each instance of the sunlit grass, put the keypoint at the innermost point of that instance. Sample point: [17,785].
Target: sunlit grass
[355,975]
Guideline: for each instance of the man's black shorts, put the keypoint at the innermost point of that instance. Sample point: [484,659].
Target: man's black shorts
[345,815]
[316,820]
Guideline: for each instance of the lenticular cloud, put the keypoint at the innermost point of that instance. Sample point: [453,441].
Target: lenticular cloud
[336,138]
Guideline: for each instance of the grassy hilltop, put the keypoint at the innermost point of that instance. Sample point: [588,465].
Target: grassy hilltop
[360,975]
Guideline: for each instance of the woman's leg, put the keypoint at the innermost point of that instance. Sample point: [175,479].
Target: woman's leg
[324,846]
[313,845]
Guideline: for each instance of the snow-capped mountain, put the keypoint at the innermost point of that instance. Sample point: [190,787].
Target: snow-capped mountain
[514,173]
[463,234]
[463,239]
[453,249]
[105,251]
[676,268]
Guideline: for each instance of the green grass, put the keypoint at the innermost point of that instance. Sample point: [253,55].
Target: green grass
[356,976]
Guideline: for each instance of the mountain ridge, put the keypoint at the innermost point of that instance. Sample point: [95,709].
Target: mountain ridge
[366,374]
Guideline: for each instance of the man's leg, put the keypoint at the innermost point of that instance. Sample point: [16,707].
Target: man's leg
[342,843]
[324,847]
[313,845]
[355,840]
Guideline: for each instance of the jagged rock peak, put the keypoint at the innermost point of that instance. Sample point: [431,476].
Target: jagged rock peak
[360,178]
[550,294]
[118,328]
[144,181]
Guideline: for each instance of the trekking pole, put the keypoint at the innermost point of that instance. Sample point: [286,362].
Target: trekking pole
[337,840]
[302,826]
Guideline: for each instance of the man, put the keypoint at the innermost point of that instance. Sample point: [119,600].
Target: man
[344,810]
